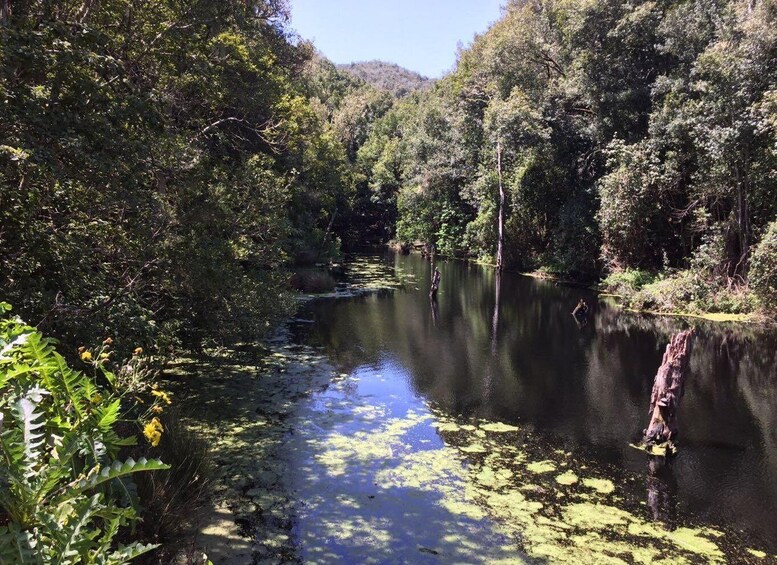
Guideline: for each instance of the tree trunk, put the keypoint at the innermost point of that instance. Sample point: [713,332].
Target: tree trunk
[435,284]
[501,226]
[668,389]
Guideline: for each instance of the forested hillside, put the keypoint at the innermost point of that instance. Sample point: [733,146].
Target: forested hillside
[387,76]
[630,139]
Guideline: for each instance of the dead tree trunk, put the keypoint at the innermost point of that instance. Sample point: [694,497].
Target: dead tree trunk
[435,284]
[668,389]
[501,222]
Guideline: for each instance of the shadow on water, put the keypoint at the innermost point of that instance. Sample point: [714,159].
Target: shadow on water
[506,348]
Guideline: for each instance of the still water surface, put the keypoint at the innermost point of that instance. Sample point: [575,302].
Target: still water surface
[507,349]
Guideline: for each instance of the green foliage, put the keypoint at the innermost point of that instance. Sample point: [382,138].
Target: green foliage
[627,281]
[159,166]
[763,269]
[687,291]
[60,481]
[630,214]
[631,133]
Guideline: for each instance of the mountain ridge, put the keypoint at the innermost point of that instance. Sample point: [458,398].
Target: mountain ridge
[387,76]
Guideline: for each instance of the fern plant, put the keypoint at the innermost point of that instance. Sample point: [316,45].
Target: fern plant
[61,487]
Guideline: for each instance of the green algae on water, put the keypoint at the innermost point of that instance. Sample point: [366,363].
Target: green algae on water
[499,427]
[602,486]
[540,467]
[567,478]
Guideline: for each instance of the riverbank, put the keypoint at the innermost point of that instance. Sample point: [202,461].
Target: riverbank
[626,296]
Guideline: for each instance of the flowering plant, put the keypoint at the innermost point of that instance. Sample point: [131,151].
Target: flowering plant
[62,489]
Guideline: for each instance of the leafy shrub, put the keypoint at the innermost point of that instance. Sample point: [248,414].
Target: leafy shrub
[627,281]
[763,269]
[691,292]
[62,489]
[704,287]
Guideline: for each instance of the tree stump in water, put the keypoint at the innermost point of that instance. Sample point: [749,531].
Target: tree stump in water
[668,389]
[435,284]
[581,310]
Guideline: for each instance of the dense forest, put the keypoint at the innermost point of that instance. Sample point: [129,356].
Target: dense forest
[630,140]
[162,164]
[165,166]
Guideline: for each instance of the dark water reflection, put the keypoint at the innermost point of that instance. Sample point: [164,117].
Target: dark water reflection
[585,386]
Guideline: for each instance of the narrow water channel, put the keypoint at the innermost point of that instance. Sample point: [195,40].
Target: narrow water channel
[496,417]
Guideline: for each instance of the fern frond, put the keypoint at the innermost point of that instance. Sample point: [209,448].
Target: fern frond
[18,342]
[107,415]
[71,384]
[128,552]
[31,421]
[72,550]
[119,469]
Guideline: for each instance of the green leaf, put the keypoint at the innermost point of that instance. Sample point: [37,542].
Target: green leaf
[108,415]
[25,411]
[128,552]
[74,539]
[119,469]
[17,546]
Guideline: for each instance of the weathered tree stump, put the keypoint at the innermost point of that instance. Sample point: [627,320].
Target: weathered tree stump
[581,310]
[435,284]
[668,388]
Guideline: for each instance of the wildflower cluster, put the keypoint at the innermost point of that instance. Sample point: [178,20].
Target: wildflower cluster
[153,431]
[100,355]
[134,378]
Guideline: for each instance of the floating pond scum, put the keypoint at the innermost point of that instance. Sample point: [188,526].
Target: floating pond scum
[479,492]
[331,454]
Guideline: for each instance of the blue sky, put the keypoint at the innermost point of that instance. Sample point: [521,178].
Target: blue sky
[420,35]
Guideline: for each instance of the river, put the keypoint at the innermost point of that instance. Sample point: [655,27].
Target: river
[570,395]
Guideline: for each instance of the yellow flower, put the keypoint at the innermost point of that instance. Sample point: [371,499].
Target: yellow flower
[162,395]
[137,351]
[157,409]
[86,356]
[104,355]
[153,431]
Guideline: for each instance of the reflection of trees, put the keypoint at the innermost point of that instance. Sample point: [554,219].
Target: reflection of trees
[495,317]
[509,349]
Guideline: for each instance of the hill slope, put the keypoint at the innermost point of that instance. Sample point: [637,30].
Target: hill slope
[387,76]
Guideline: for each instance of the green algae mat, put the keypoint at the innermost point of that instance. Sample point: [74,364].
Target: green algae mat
[324,462]
[320,466]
